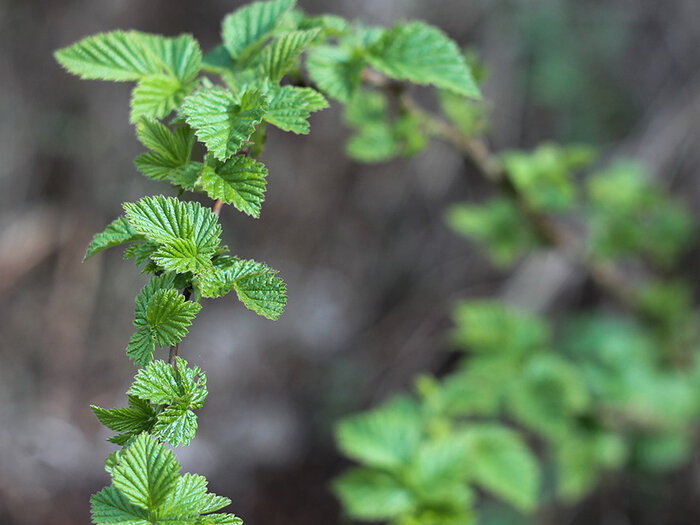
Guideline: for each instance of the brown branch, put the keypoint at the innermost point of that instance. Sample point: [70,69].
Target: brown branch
[216,207]
[604,274]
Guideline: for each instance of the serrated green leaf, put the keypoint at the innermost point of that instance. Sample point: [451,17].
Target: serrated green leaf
[156,96]
[219,519]
[245,30]
[168,316]
[181,256]
[423,54]
[131,420]
[386,437]
[111,507]
[176,425]
[503,465]
[140,347]
[160,219]
[117,56]
[256,285]
[141,252]
[165,219]
[117,232]
[169,158]
[373,495]
[146,473]
[223,122]
[163,384]
[128,56]
[277,58]
[290,107]
[336,71]
[181,56]
[239,181]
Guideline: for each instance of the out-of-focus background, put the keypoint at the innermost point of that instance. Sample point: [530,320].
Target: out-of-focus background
[371,268]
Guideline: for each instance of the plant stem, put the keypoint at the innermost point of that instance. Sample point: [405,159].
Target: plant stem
[604,274]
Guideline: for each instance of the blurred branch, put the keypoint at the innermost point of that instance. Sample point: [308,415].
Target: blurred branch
[605,275]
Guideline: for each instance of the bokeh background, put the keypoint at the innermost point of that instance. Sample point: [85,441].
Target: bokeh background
[371,267]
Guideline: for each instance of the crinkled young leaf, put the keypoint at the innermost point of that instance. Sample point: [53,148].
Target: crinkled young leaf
[245,30]
[256,285]
[176,424]
[423,54]
[290,107]
[277,58]
[182,255]
[239,181]
[146,473]
[160,219]
[223,122]
[163,384]
[117,232]
[168,316]
[166,219]
[336,71]
[181,56]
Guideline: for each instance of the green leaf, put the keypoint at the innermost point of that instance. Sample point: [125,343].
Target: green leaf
[336,71]
[132,420]
[116,56]
[277,58]
[290,108]
[170,150]
[160,219]
[169,315]
[423,54]
[545,176]
[503,465]
[164,384]
[386,437]
[126,56]
[146,489]
[117,232]
[372,495]
[182,256]
[176,424]
[256,285]
[181,56]
[548,395]
[223,122]
[156,96]
[498,224]
[146,473]
[165,219]
[140,347]
[109,506]
[374,143]
[491,327]
[246,29]
[162,316]
[239,181]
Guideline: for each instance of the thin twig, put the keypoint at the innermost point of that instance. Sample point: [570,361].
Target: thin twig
[216,207]
[604,274]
